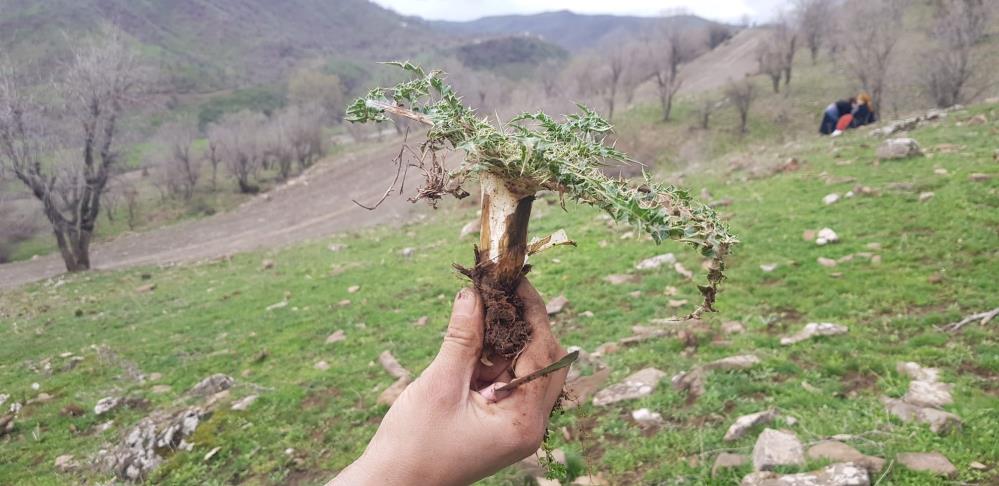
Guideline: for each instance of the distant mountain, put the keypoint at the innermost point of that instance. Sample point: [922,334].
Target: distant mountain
[501,53]
[569,30]
[219,43]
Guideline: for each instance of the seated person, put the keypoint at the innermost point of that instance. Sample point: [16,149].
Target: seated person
[832,114]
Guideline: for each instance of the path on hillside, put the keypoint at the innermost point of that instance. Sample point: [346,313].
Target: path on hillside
[313,205]
[732,60]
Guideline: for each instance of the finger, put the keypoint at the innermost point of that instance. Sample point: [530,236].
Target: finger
[534,306]
[462,344]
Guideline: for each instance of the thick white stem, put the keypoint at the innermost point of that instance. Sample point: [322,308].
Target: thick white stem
[506,210]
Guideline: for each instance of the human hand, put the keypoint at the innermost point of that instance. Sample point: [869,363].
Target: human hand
[449,427]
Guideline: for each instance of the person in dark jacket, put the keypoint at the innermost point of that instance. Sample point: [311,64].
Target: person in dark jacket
[863,114]
[832,114]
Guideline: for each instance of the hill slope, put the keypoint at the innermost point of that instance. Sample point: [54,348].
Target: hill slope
[317,404]
[219,43]
[570,30]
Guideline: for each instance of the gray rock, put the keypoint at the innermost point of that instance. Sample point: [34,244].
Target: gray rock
[336,337]
[917,372]
[66,463]
[732,327]
[556,305]
[212,385]
[741,362]
[244,403]
[813,329]
[834,475]
[647,418]
[931,462]
[742,424]
[777,448]
[407,252]
[637,385]
[106,405]
[726,460]
[835,451]
[656,262]
[929,394]
[939,421]
[898,148]
[137,455]
[618,279]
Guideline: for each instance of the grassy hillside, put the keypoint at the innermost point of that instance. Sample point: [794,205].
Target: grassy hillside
[937,263]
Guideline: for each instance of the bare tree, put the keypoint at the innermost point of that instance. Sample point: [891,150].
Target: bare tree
[239,145]
[214,156]
[708,108]
[959,25]
[312,88]
[786,38]
[740,94]
[180,167]
[665,51]
[814,18]
[770,61]
[302,134]
[95,88]
[616,63]
[872,29]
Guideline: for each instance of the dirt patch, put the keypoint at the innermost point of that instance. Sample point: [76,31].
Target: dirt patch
[854,383]
[319,398]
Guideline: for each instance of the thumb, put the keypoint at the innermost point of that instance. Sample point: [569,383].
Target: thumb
[462,345]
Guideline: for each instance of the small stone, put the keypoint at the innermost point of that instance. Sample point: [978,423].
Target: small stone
[647,418]
[244,403]
[826,262]
[917,372]
[161,389]
[979,119]
[830,199]
[929,394]
[677,303]
[741,362]
[336,247]
[898,148]
[591,480]
[106,405]
[835,451]
[637,385]
[827,234]
[935,278]
[980,177]
[618,279]
[790,421]
[470,228]
[925,196]
[586,314]
[940,422]
[656,262]
[407,252]
[813,329]
[742,424]
[392,366]
[66,463]
[687,274]
[876,260]
[336,337]
[732,327]
[422,321]
[267,264]
[977,466]
[321,366]
[353,289]
[606,348]
[155,376]
[843,474]
[768,267]
[727,460]
[582,388]
[628,235]
[212,385]
[212,453]
[777,448]
[940,172]
[279,305]
[635,294]
[36,386]
[144,289]
[931,462]
[556,305]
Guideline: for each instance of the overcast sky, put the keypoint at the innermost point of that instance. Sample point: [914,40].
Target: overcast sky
[725,10]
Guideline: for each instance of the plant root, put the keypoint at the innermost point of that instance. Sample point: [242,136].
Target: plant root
[507,332]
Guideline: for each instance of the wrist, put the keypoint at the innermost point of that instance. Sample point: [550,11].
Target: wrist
[375,469]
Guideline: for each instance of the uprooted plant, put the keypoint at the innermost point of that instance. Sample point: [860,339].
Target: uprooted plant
[513,162]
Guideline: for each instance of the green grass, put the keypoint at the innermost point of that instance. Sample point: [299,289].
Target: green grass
[210,318]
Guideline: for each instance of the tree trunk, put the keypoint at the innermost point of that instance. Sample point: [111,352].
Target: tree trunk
[499,262]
